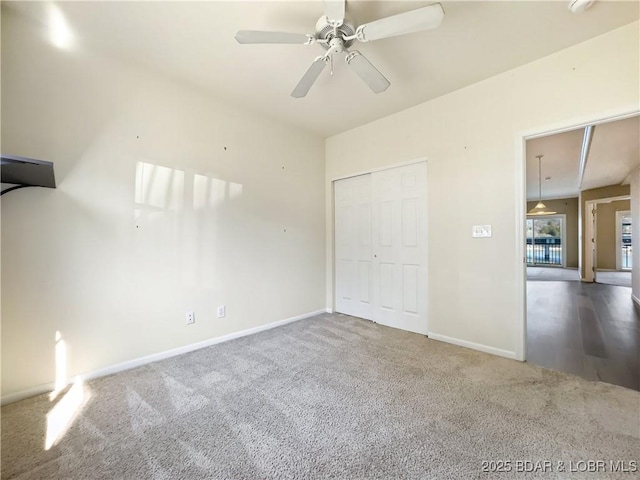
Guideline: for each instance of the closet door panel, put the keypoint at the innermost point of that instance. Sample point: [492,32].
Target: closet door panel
[353,239]
[400,247]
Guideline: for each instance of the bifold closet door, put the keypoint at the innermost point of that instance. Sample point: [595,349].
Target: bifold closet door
[353,253]
[399,226]
[381,247]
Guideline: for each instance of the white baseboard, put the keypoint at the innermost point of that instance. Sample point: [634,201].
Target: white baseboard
[137,362]
[474,346]
[635,299]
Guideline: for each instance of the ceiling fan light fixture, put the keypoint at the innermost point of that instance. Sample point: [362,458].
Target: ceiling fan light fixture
[579,6]
[336,34]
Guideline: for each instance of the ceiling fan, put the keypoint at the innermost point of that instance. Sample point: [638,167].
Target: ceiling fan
[336,34]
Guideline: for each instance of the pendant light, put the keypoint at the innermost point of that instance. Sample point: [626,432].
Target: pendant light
[540,208]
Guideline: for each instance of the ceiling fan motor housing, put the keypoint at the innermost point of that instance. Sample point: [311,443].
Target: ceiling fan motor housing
[336,34]
[325,31]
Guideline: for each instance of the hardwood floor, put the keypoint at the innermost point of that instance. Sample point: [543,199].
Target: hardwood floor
[586,329]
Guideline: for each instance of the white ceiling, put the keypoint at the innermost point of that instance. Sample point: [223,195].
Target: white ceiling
[614,153]
[194,42]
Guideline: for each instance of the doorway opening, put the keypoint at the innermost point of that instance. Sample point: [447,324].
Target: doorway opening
[606,253]
[582,323]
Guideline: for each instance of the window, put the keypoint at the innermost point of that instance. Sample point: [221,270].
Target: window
[625,240]
[545,241]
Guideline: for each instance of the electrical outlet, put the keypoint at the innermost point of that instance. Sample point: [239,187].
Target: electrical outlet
[222,311]
[190,318]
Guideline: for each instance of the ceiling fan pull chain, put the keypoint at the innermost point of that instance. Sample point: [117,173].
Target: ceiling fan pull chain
[331,60]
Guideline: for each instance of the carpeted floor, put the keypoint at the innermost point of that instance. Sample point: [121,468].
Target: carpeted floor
[553,274]
[614,278]
[328,397]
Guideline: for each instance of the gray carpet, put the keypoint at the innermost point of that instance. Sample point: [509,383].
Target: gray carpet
[553,274]
[327,397]
[622,279]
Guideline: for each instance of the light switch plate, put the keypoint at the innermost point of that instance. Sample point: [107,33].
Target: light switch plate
[481,231]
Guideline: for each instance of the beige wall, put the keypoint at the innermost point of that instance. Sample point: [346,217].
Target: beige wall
[595,194]
[472,139]
[168,200]
[606,236]
[569,207]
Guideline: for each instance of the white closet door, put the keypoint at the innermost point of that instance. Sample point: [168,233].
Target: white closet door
[353,236]
[400,247]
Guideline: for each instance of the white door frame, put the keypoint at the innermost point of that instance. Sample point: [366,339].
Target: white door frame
[590,234]
[591,231]
[619,215]
[380,169]
[521,205]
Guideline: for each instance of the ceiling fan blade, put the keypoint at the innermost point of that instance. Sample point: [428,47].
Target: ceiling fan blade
[367,72]
[334,10]
[309,78]
[256,36]
[417,20]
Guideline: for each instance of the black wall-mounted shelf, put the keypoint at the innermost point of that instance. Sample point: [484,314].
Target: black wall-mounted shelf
[26,172]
